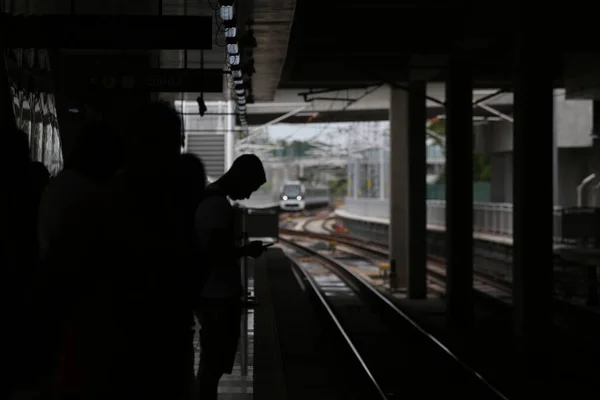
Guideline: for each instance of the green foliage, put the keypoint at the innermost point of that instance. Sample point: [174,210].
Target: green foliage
[296,148]
[481,162]
[307,177]
[481,191]
[338,187]
[482,168]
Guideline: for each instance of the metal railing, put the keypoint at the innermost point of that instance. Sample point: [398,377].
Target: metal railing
[494,218]
[571,225]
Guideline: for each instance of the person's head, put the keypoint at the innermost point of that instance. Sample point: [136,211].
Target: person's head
[97,153]
[245,176]
[14,148]
[191,179]
[154,133]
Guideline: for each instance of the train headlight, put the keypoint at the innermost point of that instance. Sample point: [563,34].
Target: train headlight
[284,197]
[298,197]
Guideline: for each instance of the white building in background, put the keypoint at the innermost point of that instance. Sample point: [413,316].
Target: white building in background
[368,170]
[577,154]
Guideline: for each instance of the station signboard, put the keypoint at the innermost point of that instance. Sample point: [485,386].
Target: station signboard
[133,32]
[159,80]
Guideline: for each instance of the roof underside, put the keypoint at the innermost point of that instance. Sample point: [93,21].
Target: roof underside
[272,24]
[341,43]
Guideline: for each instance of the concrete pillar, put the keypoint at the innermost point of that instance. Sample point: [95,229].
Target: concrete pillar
[382,179]
[229,135]
[7,119]
[459,192]
[356,177]
[407,182]
[532,195]
[349,180]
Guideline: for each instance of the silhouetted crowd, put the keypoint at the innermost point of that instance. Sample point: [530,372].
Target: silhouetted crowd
[106,265]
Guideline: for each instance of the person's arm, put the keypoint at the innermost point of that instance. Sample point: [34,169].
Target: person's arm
[213,227]
[252,249]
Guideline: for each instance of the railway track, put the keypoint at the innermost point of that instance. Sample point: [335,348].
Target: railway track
[394,352]
[484,283]
[491,290]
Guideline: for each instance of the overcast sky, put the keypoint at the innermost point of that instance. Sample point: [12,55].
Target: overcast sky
[326,133]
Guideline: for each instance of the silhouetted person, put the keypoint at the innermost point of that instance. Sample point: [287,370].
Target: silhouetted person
[122,273]
[18,254]
[95,159]
[219,306]
[192,181]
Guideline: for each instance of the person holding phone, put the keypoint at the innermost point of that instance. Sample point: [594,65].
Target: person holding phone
[219,304]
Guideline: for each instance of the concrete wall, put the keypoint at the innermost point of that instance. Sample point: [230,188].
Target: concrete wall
[574,164]
[573,125]
[578,156]
[501,177]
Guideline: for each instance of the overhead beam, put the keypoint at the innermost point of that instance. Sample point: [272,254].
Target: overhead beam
[325,116]
[126,32]
[153,80]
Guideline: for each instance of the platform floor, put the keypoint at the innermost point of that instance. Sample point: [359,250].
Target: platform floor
[286,353]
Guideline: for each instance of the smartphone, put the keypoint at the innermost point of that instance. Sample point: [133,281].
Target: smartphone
[268,245]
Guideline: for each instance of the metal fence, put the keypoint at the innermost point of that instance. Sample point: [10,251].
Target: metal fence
[572,225]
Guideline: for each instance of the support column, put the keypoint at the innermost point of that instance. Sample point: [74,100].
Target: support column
[532,190]
[417,170]
[356,177]
[349,180]
[459,193]
[229,134]
[7,119]
[382,169]
[407,196]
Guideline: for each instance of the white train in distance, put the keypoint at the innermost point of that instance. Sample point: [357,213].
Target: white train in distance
[297,197]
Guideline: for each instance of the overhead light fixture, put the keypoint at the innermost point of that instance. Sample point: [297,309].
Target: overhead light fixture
[226,13]
[230,23]
[234,59]
[233,49]
[236,73]
[230,32]
[230,41]
[240,91]
[238,81]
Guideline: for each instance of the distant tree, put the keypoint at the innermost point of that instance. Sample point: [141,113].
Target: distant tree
[307,177]
[296,148]
[482,168]
[481,162]
[338,187]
